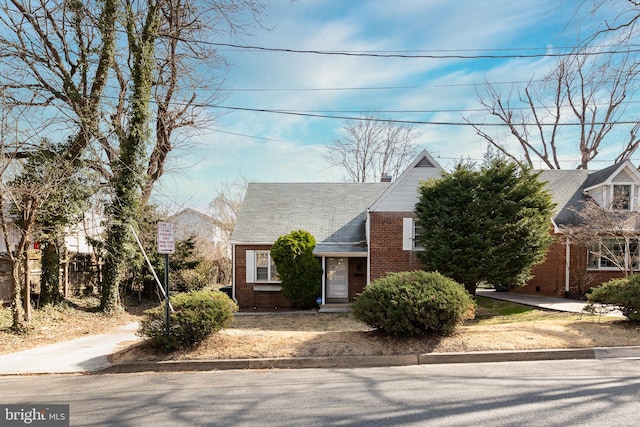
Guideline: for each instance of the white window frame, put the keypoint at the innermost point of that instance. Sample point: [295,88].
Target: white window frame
[628,257]
[631,194]
[252,268]
[410,231]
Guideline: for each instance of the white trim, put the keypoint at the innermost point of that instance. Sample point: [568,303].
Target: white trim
[324,281]
[259,287]
[407,170]
[609,181]
[567,267]
[367,227]
[233,273]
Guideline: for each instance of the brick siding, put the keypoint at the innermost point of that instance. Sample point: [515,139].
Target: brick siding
[385,247]
[549,277]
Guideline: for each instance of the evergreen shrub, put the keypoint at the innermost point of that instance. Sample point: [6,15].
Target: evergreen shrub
[623,293]
[414,303]
[196,316]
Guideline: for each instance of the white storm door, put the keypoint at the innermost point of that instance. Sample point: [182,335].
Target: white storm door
[337,286]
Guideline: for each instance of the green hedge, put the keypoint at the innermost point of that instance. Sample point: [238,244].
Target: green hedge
[414,303]
[623,293]
[196,316]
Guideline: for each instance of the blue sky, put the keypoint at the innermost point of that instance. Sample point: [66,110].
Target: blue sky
[275,147]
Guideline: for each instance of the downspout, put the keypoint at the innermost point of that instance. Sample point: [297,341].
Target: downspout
[324,280]
[368,237]
[233,273]
[567,254]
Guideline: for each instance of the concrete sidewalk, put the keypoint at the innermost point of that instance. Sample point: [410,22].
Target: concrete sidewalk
[550,303]
[86,354]
[90,354]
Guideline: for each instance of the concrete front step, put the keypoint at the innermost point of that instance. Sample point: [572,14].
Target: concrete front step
[335,308]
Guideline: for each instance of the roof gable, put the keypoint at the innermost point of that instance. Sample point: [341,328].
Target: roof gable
[624,171]
[402,194]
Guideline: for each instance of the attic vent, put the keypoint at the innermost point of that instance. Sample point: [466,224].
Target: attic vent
[425,163]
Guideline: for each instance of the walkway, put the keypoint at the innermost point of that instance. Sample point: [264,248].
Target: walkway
[550,303]
[86,354]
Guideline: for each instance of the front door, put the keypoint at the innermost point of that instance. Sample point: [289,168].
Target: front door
[337,284]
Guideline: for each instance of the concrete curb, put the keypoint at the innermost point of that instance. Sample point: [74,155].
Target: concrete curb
[371,361]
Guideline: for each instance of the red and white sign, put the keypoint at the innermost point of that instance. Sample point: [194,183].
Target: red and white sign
[166,243]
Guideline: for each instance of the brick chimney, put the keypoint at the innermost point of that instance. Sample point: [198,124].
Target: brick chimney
[385,178]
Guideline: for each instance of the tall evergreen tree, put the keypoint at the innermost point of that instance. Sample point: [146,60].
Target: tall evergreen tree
[488,225]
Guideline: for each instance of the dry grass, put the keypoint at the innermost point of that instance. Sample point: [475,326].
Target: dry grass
[498,325]
[331,335]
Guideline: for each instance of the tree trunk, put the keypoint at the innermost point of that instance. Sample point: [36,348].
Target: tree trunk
[19,320]
[50,278]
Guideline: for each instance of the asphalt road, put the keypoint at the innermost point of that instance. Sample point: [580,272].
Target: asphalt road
[552,393]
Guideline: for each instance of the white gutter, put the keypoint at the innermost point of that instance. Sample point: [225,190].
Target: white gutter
[567,266]
[368,237]
[324,281]
[233,273]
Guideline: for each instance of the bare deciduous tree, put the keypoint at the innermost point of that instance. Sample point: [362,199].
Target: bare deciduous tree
[570,112]
[224,210]
[372,147]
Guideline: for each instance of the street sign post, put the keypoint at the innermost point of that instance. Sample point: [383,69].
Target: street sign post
[166,246]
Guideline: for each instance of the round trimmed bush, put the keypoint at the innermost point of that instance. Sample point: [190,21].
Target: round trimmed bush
[623,293]
[196,315]
[414,303]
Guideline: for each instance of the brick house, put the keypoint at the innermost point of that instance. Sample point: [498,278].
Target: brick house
[571,267]
[366,230]
[362,232]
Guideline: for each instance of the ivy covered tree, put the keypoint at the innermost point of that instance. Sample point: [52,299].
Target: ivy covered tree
[299,270]
[487,225]
[63,206]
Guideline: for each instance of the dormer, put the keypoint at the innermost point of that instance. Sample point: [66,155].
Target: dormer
[615,188]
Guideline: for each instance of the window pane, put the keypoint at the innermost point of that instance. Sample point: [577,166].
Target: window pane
[274,271]
[262,273]
[612,254]
[262,259]
[417,232]
[622,197]
[633,255]
[262,266]
[594,257]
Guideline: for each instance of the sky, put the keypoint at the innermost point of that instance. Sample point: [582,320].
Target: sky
[266,147]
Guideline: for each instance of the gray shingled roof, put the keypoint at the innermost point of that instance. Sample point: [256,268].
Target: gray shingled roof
[566,188]
[331,212]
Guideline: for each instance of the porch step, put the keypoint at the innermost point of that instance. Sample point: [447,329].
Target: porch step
[335,308]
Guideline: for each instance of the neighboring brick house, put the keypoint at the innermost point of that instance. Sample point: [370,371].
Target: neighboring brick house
[571,268]
[362,232]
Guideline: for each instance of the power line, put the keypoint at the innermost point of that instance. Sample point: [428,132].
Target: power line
[413,122]
[395,54]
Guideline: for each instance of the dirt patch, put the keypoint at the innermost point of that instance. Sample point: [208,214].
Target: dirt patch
[332,335]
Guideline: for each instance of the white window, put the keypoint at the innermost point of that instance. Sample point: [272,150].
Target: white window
[622,197]
[411,232]
[261,268]
[612,254]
